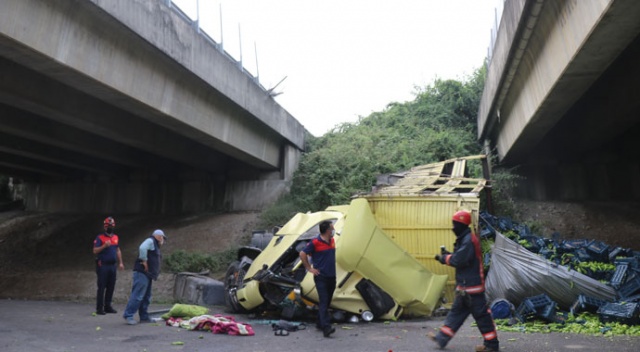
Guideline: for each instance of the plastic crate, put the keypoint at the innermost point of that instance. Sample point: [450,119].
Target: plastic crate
[586,304]
[583,255]
[552,315]
[544,242]
[547,253]
[632,261]
[539,302]
[624,313]
[487,233]
[620,275]
[525,311]
[533,243]
[630,287]
[599,251]
[486,260]
[616,252]
[523,230]
[505,224]
[548,312]
[635,299]
[570,246]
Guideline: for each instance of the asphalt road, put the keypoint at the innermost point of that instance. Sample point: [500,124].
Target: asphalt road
[68,326]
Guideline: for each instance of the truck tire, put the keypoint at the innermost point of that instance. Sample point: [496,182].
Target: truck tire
[260,239]
[232,280]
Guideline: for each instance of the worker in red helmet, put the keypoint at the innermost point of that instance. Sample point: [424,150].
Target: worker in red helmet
[107,252]
[470,297]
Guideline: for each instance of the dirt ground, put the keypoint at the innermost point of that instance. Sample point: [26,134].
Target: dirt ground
[615,223]
[48,256]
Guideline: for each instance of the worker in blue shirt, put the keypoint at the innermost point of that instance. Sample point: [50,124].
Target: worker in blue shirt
[322,250]
[146,268]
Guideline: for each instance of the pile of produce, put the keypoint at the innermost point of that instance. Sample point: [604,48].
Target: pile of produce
[613,266]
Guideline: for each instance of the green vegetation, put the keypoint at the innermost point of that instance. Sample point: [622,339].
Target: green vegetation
[181,260]
[503,186]
[583,323]
[439,124]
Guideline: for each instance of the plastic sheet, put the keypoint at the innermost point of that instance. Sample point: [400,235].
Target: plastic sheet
[516,274]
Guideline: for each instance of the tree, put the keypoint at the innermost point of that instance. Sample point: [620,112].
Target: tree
[439,124]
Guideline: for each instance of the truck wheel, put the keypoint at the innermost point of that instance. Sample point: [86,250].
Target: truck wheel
[260,239]
[233,279]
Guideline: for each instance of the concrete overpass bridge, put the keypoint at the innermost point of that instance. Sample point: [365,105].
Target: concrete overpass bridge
[561,100]
[123,106]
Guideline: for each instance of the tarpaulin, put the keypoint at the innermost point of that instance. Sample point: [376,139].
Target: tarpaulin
[517,274]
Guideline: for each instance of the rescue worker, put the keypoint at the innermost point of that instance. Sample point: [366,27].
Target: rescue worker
[470,298]
[322,250]
[107,252]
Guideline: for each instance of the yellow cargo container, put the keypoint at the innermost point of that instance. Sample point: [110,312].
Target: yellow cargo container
[415,209]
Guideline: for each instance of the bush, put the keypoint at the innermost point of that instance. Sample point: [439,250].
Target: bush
[279,213]
[181,261]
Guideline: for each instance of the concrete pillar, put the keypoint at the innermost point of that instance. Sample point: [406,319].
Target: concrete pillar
[258,194]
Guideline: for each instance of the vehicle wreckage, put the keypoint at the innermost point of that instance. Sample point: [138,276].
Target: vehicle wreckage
[385,245]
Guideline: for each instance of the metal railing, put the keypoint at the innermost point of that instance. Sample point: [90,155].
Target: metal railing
[494,30]
[195,23]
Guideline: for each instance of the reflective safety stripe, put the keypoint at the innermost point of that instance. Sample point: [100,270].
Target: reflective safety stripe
[447,331]
[471,289]
[490,335]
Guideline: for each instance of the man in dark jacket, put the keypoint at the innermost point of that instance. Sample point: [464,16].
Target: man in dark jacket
[470,298]
[145,269]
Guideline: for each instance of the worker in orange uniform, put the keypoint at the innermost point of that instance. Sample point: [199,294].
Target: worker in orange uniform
[108,255]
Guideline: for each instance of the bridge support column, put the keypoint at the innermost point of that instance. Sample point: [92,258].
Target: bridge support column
[258,194]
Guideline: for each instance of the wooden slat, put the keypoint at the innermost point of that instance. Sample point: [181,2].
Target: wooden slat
[428,179]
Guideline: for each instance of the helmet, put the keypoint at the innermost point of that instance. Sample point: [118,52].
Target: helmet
[109,222]
[462,216]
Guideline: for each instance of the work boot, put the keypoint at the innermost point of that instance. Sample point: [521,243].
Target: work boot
[431,336]
[328,331]
[110,310]
[100,312]
[483,348]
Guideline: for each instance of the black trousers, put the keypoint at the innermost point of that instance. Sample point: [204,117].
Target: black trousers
[106,284]
[325,287]
[463,305]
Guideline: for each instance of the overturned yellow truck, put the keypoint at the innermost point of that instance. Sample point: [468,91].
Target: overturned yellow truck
[385,244]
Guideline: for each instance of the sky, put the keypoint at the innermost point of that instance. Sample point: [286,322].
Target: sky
[332,62]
